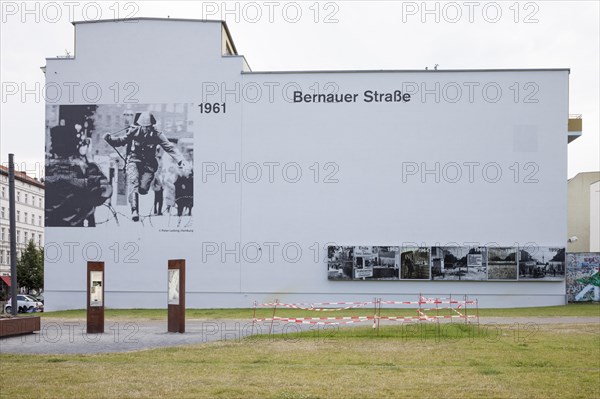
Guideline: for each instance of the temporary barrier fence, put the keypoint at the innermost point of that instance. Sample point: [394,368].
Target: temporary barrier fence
[466,310]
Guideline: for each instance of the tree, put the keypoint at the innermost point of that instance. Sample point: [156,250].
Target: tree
[450,259]
[30,268]
[525,256]
[560,256]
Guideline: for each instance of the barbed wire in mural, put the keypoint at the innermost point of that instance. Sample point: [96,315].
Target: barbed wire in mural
[112,215]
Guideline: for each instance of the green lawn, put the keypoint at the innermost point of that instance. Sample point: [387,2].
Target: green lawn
[583,309]
[556,361]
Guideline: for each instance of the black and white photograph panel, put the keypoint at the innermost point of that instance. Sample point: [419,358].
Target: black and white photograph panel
[542,263]
[415,263]
[363,263]
[386,263]
[376,263]
[502,263]
[114,165]
[364,260]
[458,263]
[340,262]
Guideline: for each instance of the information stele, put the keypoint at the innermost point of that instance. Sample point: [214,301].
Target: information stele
[176,295]
[95,297]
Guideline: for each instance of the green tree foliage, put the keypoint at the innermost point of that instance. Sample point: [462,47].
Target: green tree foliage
[30,268]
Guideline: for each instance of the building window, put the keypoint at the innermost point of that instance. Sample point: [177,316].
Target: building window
[3,234]
[2,213]
[39,202]
[25,218]
[26,199]
[2,256]
[18,216]
[33,219]
[40,240]
[18,235]
[25,237]
[39,220]
[3,192]
[18,196]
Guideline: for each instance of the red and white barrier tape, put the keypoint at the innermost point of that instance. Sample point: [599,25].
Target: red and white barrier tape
[314,306]
[421,316]
[308,306]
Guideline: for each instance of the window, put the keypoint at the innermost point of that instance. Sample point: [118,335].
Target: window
[18,196]
[3,234]
[32,219]
[25,218]
[2,256]
[39,202]
[18,216]
[39,220]
[40,240]
[3,192]
[25,237]
[26,199]
[2,213]
[18,235]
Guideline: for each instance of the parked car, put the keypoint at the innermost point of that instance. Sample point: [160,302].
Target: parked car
[26,303]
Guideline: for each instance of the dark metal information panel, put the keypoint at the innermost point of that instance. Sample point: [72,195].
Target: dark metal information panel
[95,297]
[176,295]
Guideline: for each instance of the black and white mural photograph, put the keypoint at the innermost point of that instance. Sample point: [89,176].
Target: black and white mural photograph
[115,165]
[458,263]
[363,263]
[542,263]
[502,263]
[364,260]
[376,263]
[340,263]
[415,264]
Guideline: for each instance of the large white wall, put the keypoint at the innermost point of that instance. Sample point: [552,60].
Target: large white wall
[595,217]
[370,144]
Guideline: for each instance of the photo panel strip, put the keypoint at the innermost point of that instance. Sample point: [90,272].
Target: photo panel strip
[454,263]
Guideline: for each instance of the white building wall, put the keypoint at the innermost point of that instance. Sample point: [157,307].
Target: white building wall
[369,144]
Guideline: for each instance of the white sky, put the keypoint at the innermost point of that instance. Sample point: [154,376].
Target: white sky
[359,35]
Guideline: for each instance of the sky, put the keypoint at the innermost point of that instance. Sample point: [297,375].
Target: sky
[326,35]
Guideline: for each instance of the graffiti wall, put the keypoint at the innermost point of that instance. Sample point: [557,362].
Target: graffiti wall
[583,279]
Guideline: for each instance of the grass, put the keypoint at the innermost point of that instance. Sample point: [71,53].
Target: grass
[571,310]
[558,361]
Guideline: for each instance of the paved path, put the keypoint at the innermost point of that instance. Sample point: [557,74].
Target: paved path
[68,336]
